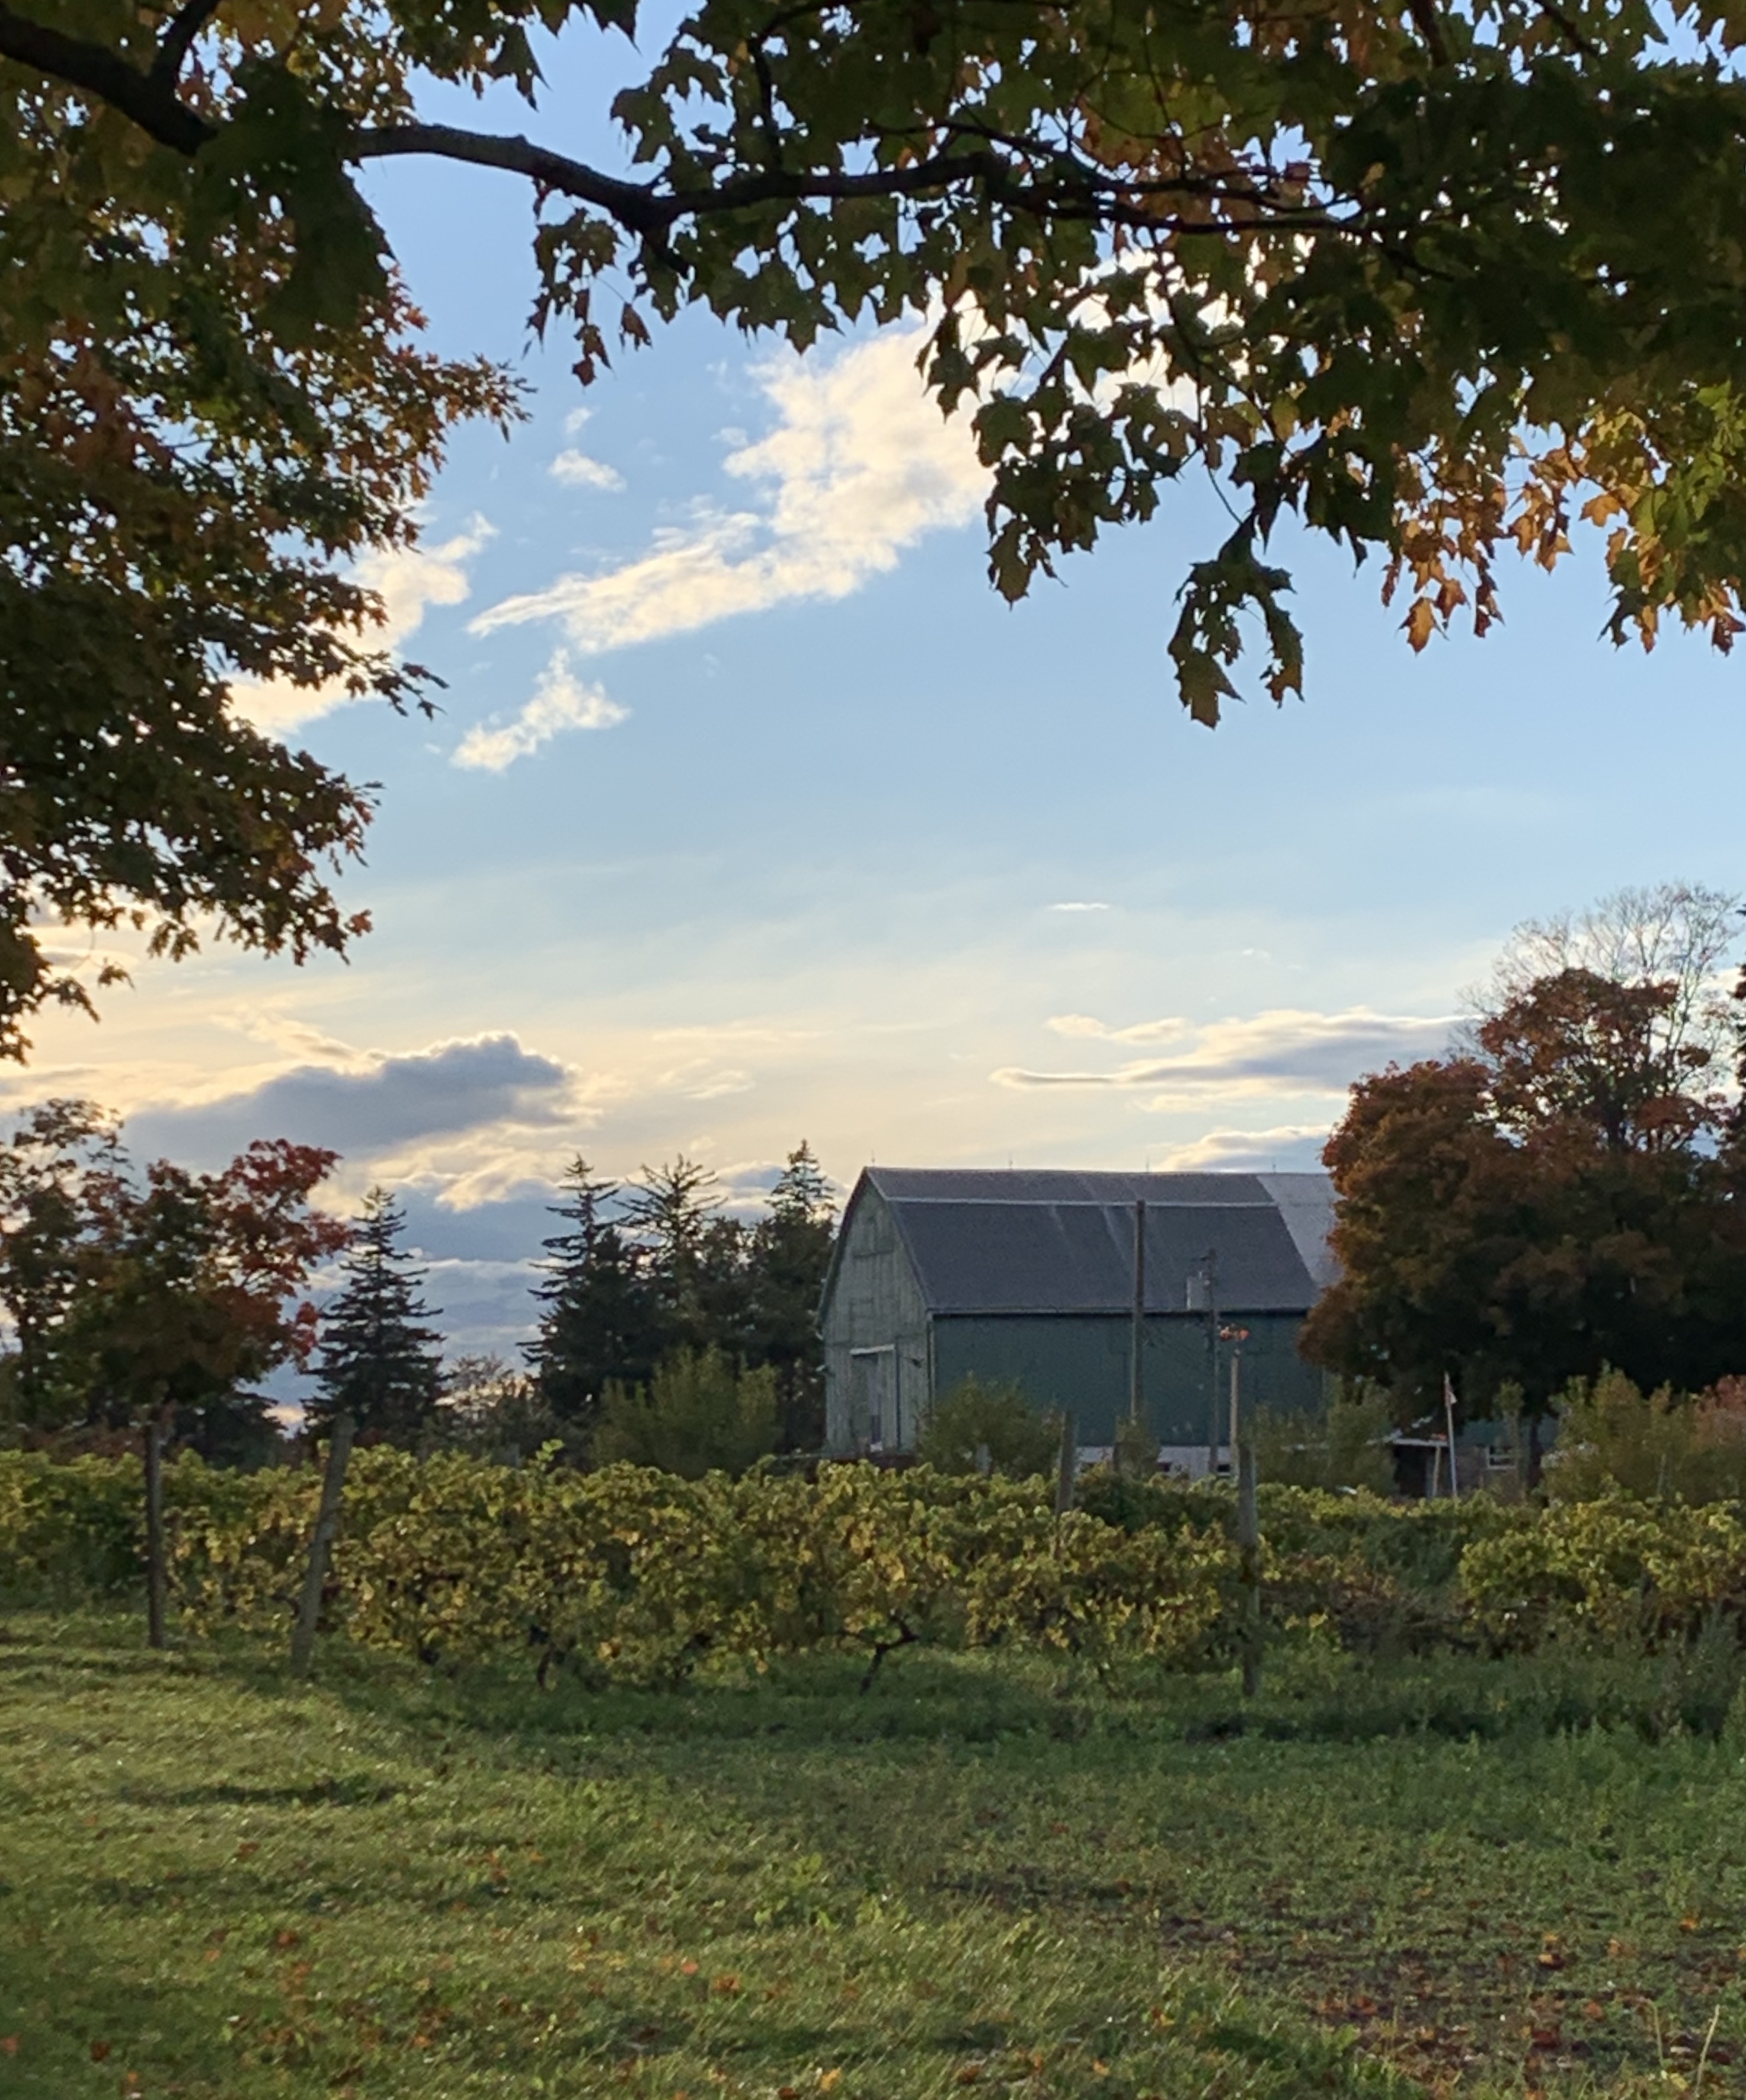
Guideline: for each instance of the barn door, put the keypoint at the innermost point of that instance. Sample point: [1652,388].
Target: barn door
[873,1398]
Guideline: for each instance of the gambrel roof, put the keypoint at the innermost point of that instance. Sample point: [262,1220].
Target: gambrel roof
[983,1240]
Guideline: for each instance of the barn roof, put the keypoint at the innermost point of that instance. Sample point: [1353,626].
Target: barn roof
[1025,1240]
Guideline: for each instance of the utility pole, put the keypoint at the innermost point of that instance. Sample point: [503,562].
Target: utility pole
[1136,1371]
[1209,1280]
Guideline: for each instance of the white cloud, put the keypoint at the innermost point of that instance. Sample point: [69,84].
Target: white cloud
[408,581]
[1286,1051]
[577,470]
[1287,1148]
[1169,1029]
[1078,905]
[560,702]
[860,465]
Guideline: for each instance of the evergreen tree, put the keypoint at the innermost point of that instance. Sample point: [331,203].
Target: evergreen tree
[378,1364]
[789,1252]
[601,1320]
[696,1258]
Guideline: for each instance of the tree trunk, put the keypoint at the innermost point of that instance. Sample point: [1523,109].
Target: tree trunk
[1248,1567]
[156,1572]
[321,1543]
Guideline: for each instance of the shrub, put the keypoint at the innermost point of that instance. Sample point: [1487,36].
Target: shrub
[1343,1445]
[1621,1573]
[978,1425]
[699,1415]
[1613,1438]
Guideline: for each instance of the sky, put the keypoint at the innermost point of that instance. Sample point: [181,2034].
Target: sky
[751,814]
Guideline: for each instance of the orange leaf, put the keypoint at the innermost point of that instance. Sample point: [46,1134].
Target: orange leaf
[100,2049]
[248,1849]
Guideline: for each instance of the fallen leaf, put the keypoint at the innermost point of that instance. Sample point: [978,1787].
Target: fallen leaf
[1593,2009]
[287,1938]
[828,2079]
[787,2092]
[968,2073]
[1691,1922]
[100,2051]
[8,2044]
[725,1986]
[687,1968]
[248,1849]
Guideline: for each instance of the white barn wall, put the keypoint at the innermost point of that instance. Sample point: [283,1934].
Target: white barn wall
[876,1303]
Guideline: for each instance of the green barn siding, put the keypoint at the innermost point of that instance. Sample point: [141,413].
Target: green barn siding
[1081,1362]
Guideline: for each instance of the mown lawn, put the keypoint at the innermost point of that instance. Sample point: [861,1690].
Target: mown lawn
[213,1884]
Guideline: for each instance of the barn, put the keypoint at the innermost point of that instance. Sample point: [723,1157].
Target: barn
[1030,1276]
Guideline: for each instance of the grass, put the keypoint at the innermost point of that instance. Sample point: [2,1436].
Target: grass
[215,1884]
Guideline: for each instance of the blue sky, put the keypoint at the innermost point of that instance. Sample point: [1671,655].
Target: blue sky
[752,815]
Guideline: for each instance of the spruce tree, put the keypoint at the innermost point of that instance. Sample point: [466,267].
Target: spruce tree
[601,1320]
[789,1252]
[377,1363]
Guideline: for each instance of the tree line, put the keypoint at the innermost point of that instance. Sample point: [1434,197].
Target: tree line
[152,1299]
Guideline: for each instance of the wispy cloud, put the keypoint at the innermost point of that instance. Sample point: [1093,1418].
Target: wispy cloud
[561,701]
[408,581]
[1078,904]
[1286,1051]
[859,466]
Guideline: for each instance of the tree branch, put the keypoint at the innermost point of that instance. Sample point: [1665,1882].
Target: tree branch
[179,36]
[645,209]
[152,103]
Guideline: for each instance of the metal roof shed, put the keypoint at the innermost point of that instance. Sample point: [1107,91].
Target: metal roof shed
[1029,1276]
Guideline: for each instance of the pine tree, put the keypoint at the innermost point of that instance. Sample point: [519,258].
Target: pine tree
[377,1363]
[789,1252]
[602,1320]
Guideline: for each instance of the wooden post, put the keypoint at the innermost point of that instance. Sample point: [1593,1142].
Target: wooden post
[1237,1360]
[1247,1566]
[156,1581]
[1066,1466]
[321,1543]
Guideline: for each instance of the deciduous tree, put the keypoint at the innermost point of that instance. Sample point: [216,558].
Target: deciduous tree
[1552,1205]
[1436,282]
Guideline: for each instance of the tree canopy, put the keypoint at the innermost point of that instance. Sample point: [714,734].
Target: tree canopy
[1435,280]
[133,1293]
[1558,1198]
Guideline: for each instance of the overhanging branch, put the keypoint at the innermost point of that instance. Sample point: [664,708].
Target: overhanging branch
[1066,190]
[152,103]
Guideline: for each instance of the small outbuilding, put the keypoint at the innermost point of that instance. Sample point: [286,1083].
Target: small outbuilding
[1030,1278]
